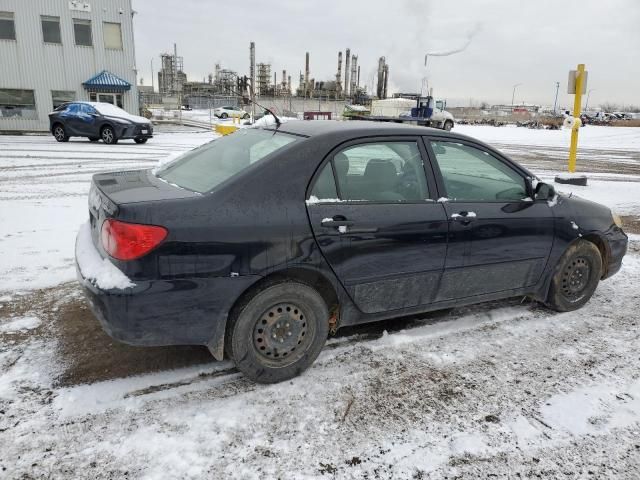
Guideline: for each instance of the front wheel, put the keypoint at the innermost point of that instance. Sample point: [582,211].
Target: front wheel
[277,334]
[140,140]
[60,134]
[448,125]
[108,135]
[576,278]
[223,115]
[246,116]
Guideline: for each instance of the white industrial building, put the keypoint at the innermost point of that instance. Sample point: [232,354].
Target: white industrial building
[53,51]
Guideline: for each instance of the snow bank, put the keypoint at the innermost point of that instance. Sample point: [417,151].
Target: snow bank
[100,271]
[269,121]
[20,324]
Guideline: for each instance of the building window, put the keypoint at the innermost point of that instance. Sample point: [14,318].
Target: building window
[51,29]
[62,96]
[82,32]
[112,36]
[7,26]
[17,103]
[112,98]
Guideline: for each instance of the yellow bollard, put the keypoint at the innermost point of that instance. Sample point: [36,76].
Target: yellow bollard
[577,110]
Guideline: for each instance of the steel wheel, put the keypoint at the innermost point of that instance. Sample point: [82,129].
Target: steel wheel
[277,330]
[280,332]
[575,277]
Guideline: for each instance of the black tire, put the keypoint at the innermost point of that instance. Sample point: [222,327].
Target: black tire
[275,334]
[140,140]
[59,133]
[108,135]
[246,116]
[448,125]
[224,115]
[576,277]
[94,139]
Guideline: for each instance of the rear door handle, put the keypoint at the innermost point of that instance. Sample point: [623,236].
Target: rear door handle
[464,217]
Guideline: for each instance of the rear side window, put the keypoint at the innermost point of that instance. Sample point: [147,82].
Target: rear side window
[471,174]
[206,167]
[375,172]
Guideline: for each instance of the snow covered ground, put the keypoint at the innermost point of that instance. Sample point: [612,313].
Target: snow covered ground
[502,390]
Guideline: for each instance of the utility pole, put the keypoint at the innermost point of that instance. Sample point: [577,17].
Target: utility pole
[586,106]
[152,88]
[513,95]
[555,102]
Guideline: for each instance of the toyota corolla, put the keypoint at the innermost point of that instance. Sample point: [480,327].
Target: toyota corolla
[260,243]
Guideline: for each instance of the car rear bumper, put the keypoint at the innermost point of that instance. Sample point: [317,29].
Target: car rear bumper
[165,312]
[618,242]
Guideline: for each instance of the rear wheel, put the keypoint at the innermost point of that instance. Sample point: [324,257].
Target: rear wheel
[277,333]
[223,115]
[60,134]
[246,116]
[108,135]
[576,278]
[448,125]
[140,140]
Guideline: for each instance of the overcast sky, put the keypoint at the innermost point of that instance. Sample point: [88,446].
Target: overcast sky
[532,42]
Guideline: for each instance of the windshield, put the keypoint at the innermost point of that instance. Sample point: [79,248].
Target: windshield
[108,109]
[208,166]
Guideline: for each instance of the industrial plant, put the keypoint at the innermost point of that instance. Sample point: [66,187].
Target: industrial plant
[225,86]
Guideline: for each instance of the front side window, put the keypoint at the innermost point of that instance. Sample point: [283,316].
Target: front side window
[7,26]
[51,29]
[206,167]
[380,172]
[18,103]
[112,35]
[473,175]
[60,97]
[82,32]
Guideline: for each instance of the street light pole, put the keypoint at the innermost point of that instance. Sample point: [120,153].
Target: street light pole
[586,107]
[555,102]
[513,95]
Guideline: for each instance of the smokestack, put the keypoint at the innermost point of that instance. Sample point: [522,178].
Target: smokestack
[252,75]
[347,62]
[386,79]
[354,73]
[380,77]
[339,76]
[306,75]
[358,81]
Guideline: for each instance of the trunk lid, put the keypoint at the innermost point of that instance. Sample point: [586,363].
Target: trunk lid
[110,192]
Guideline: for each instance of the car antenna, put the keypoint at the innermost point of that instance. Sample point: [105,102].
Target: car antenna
[275,117]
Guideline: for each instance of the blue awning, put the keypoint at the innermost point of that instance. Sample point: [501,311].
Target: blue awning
[106,81]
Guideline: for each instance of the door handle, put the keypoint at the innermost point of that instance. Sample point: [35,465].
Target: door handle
[336,223]
[464,217]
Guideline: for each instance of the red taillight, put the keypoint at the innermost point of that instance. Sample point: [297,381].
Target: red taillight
[128,241]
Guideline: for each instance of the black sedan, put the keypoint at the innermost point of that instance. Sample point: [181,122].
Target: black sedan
[259,244]
[96,121]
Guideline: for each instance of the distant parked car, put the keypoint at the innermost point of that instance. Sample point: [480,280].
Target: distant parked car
[97,121]
[261,242]
[234,112]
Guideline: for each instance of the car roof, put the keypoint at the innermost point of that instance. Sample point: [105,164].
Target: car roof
[358,128]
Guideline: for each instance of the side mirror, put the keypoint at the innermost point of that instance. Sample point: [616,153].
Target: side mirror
[544,191]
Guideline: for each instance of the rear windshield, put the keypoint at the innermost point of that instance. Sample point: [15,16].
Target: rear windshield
[211,164]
